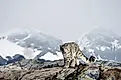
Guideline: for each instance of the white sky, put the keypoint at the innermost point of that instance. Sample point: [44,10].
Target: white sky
[64,19]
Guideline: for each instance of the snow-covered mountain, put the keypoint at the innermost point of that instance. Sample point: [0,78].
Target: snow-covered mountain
[101,42]
[30,43]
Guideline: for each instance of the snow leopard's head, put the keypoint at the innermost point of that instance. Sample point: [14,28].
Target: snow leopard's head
[67,48]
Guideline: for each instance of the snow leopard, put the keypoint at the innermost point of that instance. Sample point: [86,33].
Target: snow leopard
[71,53]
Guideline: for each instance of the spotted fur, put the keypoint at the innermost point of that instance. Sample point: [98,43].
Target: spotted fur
[71,52]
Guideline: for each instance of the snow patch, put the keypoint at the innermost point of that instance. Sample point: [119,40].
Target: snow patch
[28,53]
[49,48]
[119,47]
[102,48]
[32,44]
[108,48]
[97,48]
[115,44]
[37,53]
[8,48]
[91,50]
[29,35]
[51,57]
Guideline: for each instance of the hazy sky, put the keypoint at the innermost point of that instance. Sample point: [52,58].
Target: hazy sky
[64,19]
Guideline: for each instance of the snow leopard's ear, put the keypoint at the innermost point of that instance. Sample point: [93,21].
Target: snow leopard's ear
[61,48]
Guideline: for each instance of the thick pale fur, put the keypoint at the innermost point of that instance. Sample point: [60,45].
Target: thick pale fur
[71,52]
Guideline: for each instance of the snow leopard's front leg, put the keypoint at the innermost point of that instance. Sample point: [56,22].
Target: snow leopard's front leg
[72,63]
[67,62]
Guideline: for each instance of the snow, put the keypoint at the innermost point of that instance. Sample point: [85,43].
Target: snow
[119,47]
[49,48]
[91,50]
[32,44]
[102,42]
[102,48]
[29,35]
[8,48]
[17,42]
[97,48]
[51,57]
[37,53]
[22,40]
[115,44]
[108,48]
[30,54]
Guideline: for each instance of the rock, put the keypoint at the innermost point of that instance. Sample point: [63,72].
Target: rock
[8,58]
[64,73]
[16,57]
[51,71]
[23,74]
[2,61]
[39,64]
[92,73]
[42,74]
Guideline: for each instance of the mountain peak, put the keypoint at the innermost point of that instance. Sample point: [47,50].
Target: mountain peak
[103,42]
[33,42]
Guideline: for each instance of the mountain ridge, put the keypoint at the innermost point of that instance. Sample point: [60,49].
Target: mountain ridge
[34,43]
[101,42]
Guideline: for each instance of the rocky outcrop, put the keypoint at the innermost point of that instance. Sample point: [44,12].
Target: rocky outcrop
[100,70]
[2,61]
[15,58]
[38,63]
